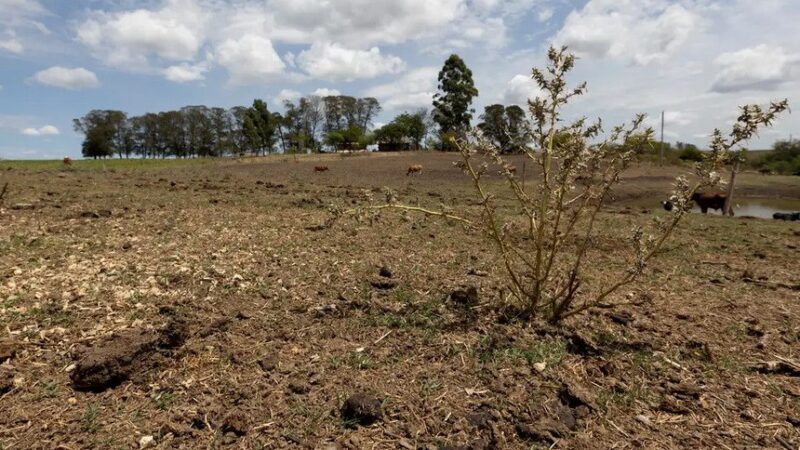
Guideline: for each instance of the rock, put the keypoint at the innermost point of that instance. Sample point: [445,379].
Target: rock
[540,367]
[6,380]
[147,442]
[7,351]
[385,272]
[113,362]
[467,296]
[362,409]
[236,423]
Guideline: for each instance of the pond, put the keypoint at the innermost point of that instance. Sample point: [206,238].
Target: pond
[762,208]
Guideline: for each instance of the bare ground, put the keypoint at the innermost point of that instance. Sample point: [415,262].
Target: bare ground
[207,309]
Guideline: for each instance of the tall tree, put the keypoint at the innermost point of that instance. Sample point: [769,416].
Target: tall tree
[451,105]
[105,133]
[260,127]
[504,126]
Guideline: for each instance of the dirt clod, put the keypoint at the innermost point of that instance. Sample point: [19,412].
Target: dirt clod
[621,317]
[383,284]
[544,432]
[468,296]
[385,272]
[7,351]
[235,422]
[113,362]
[574,396]
[95,214]
[6,380]
[777,368]
[362,409]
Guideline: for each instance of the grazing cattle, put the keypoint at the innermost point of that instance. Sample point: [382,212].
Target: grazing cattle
[320,168]
[67,161]
[414,170]
[786,216]
[709,201]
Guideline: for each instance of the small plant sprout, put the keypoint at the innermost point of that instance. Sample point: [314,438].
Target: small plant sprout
[546,240]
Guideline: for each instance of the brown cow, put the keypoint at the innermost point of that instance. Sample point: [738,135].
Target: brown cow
[320,168]
[709,201]
[414,170]
[67,161]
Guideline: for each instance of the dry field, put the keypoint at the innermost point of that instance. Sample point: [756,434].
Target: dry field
[191,304]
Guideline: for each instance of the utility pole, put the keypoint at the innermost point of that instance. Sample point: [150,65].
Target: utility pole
[661,147]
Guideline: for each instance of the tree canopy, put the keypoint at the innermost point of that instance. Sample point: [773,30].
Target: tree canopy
[452,104]
[504,126]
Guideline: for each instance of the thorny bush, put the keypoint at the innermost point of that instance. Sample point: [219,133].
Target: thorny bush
[544,255]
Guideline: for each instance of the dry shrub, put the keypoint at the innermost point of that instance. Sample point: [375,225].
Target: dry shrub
[545,254]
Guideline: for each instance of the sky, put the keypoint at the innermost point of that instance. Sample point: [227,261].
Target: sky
[696,60]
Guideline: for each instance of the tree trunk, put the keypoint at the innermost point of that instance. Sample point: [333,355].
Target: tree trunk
[728,211]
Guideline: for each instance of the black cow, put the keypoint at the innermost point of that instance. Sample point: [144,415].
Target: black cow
[786,216]
[709,201]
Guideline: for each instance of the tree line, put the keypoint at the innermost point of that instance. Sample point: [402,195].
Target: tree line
[310,124]
[201,131]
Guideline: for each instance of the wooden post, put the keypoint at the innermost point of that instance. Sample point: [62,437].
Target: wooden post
[661,147]
[728,211]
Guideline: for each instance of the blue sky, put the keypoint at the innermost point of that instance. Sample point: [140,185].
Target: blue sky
[695,59]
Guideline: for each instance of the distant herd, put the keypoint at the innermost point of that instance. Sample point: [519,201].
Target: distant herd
[705,201]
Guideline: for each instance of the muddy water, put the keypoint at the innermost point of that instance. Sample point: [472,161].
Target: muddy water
[761,208]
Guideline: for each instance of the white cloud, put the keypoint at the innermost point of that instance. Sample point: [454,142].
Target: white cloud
[126,39]
[57,76]
[47,130]
[184,73]
[326,92]
[759,68]
[287,95]
[414,89]
[360,23]
[330,61]
[643,31]
[545,14]
[12,44]
[520,89]
[250,59]
[18,15]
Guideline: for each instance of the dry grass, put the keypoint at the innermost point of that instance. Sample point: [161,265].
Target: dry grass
[286,323]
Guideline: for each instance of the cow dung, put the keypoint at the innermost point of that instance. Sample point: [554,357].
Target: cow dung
[362,409]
